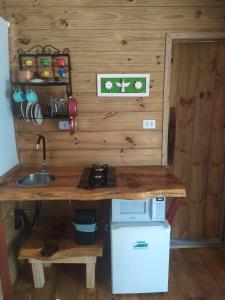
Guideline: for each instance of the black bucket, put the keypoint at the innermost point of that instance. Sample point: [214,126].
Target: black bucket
[85,226]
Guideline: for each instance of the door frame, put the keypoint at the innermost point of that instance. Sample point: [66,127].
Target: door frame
[170,39]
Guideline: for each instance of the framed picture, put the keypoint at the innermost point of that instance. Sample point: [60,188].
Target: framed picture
[123,85]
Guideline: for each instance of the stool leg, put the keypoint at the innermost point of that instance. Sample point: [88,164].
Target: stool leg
[38,274]
[90,275]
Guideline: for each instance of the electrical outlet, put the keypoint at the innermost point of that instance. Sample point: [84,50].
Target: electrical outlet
[149,124]
[64,125]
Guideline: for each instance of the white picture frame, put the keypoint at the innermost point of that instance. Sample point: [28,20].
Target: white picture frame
[146,77]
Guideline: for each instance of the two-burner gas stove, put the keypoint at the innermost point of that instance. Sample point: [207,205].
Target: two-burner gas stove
[98,176]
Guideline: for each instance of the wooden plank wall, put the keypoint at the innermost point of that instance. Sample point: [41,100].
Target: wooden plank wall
[106,36]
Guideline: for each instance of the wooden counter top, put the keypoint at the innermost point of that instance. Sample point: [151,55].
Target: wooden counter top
[132,183]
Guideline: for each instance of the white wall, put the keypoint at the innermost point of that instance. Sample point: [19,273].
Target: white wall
[8,152]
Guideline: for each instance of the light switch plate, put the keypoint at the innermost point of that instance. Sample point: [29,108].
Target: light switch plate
[64,125]
[149,124]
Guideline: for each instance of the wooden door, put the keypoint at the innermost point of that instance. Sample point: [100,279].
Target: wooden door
[198,96]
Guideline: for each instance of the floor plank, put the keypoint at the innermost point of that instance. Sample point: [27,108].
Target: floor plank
[71,282]
[47,293]
[203,276]
[195,274]
[23,288]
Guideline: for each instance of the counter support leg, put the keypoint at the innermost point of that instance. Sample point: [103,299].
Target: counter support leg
[176,203]
[4,267]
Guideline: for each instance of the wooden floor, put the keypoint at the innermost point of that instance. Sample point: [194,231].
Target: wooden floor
[195,274]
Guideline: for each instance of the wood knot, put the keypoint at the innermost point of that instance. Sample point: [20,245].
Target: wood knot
[64,22]
[190,101]
[123,42]
[130,140]
[182,101]
[129,59]
[202,94]
[24,41]
[198,13]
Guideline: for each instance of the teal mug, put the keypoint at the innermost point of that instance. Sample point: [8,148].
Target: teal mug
[18,95]
[31,96]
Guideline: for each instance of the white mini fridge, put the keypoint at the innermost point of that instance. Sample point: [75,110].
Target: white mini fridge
[140,257]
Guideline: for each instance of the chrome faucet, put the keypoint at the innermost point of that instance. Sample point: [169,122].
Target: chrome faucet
[44,163]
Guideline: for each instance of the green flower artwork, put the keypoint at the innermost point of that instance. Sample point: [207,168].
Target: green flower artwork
[123,85]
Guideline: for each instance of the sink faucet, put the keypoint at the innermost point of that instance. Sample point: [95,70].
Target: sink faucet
[44,163]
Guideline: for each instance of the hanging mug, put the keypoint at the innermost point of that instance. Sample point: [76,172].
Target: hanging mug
[29,62]
[60,61]
[31,96]
[45,73]
[62,73]
[18,95]
[44,61]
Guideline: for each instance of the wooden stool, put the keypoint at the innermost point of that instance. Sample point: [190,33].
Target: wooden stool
[68,253]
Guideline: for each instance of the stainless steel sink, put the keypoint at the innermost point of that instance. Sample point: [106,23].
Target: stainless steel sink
[35,180]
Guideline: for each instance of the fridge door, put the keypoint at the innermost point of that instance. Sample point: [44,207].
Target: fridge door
[140,257]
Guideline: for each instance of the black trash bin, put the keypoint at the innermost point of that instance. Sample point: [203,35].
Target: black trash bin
[85,226]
